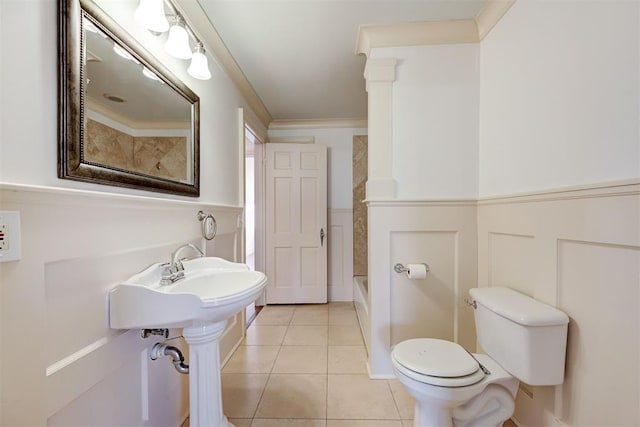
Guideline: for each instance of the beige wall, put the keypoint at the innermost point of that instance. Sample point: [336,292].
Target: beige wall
[161,156]
[580,251]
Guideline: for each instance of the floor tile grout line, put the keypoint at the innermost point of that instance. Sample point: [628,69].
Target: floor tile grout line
[326,398]
[281,344]
[395,401]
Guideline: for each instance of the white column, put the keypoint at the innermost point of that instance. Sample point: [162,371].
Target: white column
[205,391]
[380,75]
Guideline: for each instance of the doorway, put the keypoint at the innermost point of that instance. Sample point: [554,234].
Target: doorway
[296,223]
[249,201]
[253,210]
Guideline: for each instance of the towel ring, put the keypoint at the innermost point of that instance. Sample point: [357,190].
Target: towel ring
[208,224]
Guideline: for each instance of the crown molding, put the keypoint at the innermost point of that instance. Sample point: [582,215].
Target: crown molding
[491,14]
[416,34]
[292,140]
[432,32]
[197,19]
[317,124]
[132,124]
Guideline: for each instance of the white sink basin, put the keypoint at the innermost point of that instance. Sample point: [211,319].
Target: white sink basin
[212,290]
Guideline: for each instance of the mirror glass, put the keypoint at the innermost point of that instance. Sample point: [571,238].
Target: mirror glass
[133,124]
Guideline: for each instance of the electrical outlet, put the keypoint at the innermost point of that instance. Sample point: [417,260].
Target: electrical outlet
[9,236]
[4,237]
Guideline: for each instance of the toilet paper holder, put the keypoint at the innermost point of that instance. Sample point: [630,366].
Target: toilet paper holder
[399,268]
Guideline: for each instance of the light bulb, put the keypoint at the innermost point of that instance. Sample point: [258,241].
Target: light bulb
[199,67]
[150,14]
[177,44]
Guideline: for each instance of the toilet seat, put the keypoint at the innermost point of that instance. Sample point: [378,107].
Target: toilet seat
[436,362]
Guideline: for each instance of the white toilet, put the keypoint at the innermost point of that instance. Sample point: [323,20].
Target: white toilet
[524,340]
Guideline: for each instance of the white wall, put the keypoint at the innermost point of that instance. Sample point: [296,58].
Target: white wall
[559,86]
[435,120]
[339,142]
[71,369]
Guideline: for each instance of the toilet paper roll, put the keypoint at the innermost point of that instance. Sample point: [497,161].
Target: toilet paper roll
[416,271]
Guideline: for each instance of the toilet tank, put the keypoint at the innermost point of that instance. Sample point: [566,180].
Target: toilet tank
[526,337]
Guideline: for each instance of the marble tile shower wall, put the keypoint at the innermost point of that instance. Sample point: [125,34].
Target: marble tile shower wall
[164,157]
[360,173]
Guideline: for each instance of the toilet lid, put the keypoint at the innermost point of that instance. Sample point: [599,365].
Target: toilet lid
[435,358]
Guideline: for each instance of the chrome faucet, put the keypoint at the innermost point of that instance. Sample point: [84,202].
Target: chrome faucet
[174,271]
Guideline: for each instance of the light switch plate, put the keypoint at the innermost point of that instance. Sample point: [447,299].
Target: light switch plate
[10,236]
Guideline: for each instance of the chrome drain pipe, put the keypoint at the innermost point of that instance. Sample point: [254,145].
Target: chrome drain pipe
[174,353]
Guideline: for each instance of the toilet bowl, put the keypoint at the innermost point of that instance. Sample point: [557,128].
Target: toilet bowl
[524,340]
[449,386]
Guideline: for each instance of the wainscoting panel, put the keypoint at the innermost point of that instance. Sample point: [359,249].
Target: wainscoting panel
[598,287]
[340,255]
[426,307]
[440,233]
[71,368]
[510,257]
[578,250]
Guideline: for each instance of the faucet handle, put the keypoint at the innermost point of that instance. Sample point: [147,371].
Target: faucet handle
[179,266]
[166,269]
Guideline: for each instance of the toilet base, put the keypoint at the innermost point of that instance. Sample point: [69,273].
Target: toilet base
[488,403]
[491,408]
[429,415]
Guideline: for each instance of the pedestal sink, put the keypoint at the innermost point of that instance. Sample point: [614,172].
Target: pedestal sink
[212,290]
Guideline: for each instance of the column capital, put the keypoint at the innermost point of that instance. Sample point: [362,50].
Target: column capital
[380,70]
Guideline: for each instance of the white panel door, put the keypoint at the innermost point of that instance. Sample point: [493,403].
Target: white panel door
[296,223]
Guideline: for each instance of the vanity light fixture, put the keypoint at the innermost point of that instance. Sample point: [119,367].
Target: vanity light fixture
[150,14]
[177,44]
[199,67]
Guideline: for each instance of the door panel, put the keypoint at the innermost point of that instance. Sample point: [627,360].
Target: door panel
[296,202]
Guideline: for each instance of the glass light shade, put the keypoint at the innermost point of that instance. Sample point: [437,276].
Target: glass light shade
[177,44]
[122,52]
[88,25]
[150,74]
[150,14]
[199,67]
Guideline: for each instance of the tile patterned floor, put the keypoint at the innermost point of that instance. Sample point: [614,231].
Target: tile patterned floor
[305,366]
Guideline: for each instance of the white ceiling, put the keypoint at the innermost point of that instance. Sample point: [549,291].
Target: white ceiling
[299,55]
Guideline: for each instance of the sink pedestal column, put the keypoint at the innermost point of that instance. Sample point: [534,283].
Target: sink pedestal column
[205,391]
